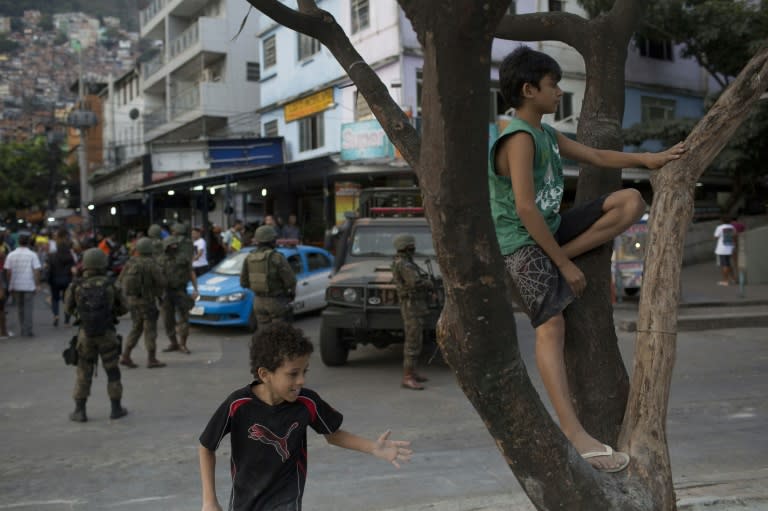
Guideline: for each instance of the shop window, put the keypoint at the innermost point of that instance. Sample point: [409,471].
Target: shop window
[360,15]
[252,71]
[655,49]
[565,108]
[270,128]
[308,46]
[657,109]
[269,48]
[556,5]
[311,132]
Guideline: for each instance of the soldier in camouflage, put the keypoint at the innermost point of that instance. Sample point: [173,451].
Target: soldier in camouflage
[413,289]
[177,267]
[268,274]
[155,234]
[96,303]
[142,282]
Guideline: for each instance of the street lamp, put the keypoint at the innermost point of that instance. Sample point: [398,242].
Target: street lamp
[82,120]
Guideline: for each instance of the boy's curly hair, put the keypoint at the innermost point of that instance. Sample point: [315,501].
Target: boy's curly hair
[275,343]
[522,66]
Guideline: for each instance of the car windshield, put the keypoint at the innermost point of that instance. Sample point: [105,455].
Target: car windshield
[376,240]
[231,265]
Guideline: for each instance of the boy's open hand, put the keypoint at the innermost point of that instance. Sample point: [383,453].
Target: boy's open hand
[394,451]
[658,160]
[575,278]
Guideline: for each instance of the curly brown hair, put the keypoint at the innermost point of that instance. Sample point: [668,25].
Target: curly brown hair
[275,343]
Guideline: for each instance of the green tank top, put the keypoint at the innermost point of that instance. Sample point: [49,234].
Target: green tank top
[547,182]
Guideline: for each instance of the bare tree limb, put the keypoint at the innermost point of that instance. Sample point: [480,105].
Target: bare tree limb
[546,26]
[321,25]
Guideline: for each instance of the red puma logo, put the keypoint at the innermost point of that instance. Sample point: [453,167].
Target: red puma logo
[265,436]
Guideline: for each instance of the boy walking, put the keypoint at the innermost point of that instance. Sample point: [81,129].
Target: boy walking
[725,235]
[267,422]
[538,244]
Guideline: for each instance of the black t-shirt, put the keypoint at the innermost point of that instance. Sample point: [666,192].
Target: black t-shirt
[269,446]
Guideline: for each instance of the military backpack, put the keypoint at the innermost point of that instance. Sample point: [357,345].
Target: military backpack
[258,271]
[94,306]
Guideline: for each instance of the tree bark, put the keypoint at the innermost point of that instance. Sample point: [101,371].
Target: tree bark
[644,428]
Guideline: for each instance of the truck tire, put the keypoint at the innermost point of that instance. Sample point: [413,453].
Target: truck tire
[332,351]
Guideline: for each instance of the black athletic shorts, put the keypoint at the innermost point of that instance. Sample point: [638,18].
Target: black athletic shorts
[544,291]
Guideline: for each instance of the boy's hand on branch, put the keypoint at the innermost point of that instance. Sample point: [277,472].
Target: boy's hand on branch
[658,160]
[394,451]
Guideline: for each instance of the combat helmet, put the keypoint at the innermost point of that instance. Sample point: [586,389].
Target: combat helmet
[179,228]
[265,234]
[403,241]
[154,231]
[145,247]
[94,259]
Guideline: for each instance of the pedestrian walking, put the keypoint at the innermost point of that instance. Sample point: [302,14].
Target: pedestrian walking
[200,260]
[526,185]
[23,271]
[725,245]
[267,423]
[142,282]
[5,249]
[177,266]
[60,264]
[268,274]
[97,303]
[413,289]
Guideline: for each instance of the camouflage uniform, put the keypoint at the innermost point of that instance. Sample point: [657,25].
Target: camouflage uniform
[413,288]
[154,233]
[269,275]
[177,267]
[90,347]
[146,286]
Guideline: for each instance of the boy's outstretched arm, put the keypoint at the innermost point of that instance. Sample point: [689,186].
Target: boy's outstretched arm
[208,479]
[394,451]
[617,159]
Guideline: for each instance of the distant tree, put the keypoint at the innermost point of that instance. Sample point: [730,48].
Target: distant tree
[24,174]
[8,46]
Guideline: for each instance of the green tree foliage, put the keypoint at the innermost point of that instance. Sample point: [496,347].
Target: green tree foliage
[24,174]
[7,46]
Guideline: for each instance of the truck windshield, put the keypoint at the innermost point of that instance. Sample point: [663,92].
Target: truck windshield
[376,241]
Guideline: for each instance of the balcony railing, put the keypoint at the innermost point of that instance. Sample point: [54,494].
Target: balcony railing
[187,38]
[146,14]
[186,100]
[154,119]
[152,66]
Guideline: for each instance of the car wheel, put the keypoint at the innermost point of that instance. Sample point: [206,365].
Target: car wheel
[253,325]
[332,351]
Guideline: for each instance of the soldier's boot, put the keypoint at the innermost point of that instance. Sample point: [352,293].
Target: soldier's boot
[409,382]
[173,346]
[153,362]
[125,360]
[183,345]
[117,409]
[79,414]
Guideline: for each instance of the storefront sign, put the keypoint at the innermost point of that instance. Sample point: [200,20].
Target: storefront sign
[309,105]
[245,152]
[365,140]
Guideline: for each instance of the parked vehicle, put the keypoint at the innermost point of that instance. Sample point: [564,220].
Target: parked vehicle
[628,258]
[222,302]
[363,306]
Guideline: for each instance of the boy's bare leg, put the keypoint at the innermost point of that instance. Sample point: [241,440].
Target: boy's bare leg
[550,340]
[620,210]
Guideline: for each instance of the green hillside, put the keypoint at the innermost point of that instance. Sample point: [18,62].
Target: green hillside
[126,10]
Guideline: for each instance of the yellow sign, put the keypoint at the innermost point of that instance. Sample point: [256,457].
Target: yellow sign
[309,105]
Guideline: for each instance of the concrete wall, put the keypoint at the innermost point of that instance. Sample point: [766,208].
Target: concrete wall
[755,243]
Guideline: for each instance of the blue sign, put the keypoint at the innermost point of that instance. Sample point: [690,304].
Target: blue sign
[365,140]
[245,152]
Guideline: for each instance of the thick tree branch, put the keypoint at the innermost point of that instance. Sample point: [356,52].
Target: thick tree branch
[321,25]
[546,26]
[644,428]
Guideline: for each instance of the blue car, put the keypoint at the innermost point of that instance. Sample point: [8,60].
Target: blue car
[223,302]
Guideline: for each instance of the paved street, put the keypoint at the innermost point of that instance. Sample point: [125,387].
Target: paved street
[148,461]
